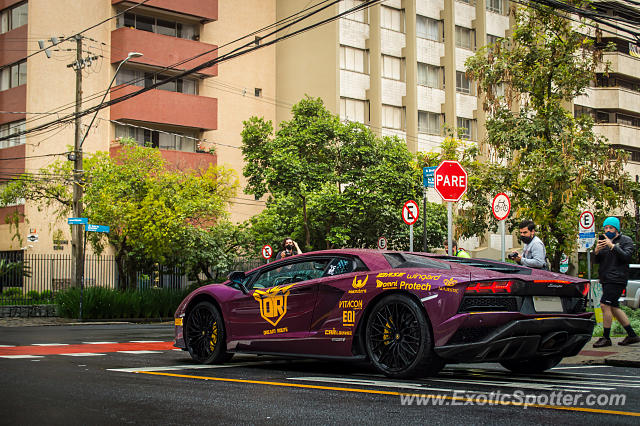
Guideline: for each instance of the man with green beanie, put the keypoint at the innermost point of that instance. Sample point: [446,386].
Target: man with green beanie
[613,253]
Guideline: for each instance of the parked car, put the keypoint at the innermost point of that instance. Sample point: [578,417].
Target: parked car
[408,314]
[631,296]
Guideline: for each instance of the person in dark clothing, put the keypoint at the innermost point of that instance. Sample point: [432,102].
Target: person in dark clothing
[289,248]
[613,253]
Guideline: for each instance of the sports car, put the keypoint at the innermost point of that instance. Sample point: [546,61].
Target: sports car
[408,314]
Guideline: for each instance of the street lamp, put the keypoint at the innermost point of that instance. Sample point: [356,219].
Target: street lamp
[76,234]
[129,56]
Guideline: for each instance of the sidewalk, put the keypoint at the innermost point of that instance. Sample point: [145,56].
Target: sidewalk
[619,356]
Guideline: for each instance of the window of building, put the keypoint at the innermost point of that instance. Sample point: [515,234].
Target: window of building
[491,39]
[360,15]
[257,92]
[463,84]
[466,128]
[391,19]
[495,6]
[392,117]
[158,139]
[13,17]
[579,111]
[352,59]
[10,129]
[465,38]
[430,75]
[158,26]
[429,122]
[13,75]
[353,110]
[392,67]
[428,28]
[147,79]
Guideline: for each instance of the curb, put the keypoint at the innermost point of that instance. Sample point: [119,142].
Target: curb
[617,362]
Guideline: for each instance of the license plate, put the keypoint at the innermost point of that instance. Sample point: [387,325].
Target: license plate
[547,304]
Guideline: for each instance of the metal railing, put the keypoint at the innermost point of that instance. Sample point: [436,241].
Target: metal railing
[44,275]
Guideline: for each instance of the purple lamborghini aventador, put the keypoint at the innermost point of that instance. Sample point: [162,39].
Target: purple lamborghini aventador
[408,314]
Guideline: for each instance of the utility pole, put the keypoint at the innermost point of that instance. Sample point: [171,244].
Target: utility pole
[77,249]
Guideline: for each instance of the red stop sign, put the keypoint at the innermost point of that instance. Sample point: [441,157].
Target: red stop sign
[450,180]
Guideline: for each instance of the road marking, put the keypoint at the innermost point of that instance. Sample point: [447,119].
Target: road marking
[49,344]
[83,348]
[145,341]
[19,356]
[193,366]
[483,401]
[585,366]
[139,352]
[7,346]
[84,354]
[374,383]
[100,343]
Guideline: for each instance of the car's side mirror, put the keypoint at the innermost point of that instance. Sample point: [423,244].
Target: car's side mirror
[238,277]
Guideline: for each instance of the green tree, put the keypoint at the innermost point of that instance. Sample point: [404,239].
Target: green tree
[552,164]
[153,209]
[332,184]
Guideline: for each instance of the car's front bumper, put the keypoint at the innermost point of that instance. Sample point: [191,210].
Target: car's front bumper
[523,339]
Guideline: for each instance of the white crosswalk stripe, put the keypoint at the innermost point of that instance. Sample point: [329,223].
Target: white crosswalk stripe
[84,354]
[20,356]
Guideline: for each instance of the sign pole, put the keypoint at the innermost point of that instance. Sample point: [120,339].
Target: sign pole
[411,238]
[84,246]
[502,246]
[449,223]
[424,219]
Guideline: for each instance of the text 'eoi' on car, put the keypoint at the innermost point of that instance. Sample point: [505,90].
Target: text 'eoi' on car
[408,314]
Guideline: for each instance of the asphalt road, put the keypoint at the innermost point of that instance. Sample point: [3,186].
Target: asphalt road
[128,373]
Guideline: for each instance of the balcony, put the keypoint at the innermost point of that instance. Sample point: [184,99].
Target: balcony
[161,106]
[161,50]
[14,99]
[622,64]
[13,45]
[619,134]
[613,98]
[179,160]
[206,11]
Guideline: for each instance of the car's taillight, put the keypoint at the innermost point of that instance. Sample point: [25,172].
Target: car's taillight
[585,289]
[490,287]
[624,292]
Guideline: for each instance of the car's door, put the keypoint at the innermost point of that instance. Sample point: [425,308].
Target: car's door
[278,307]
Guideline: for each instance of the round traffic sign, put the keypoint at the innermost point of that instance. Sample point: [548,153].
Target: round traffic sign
[410,212]
[587,220]
[501,206]
[267,251]
[450,180]
[382,243]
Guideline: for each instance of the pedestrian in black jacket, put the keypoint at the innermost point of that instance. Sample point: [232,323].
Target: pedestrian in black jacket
[613,253]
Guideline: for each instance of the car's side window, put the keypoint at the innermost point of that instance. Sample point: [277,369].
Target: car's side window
[341,265]
[291,273]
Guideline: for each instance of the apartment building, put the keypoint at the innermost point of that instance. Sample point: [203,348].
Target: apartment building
[194,121]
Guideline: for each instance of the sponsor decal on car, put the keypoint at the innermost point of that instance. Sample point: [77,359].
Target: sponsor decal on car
[334,332]
[390,275]
[386,284]
[350,304]
[359,284]
[422,277]
[275,331]
[403,285]
[273,303]
[178,321]
[348,318]
[449,289]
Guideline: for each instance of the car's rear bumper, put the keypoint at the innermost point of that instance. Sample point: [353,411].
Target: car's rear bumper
[523,339]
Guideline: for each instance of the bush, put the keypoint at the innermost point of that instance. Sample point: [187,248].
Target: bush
[12,292]
[46,296]
[102,303]
[616,327]
[33,295]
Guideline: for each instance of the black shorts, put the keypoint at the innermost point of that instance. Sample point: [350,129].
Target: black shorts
[611,293]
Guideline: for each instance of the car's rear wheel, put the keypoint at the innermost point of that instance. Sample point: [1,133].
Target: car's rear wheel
[532,365]
[398,339]
[205,334]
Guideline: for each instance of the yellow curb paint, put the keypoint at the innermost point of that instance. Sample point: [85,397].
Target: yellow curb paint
[381,392]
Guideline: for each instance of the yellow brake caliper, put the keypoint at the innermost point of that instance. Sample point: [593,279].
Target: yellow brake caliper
[214,336]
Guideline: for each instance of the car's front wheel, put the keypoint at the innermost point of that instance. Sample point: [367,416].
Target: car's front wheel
[398,339]
[205,334]
[532,365]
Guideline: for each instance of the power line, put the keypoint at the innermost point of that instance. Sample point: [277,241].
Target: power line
[231,55]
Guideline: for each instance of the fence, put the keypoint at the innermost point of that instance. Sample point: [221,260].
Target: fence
[47,274]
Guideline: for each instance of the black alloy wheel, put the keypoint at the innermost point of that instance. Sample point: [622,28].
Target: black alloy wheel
[398,339]
[205,335]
